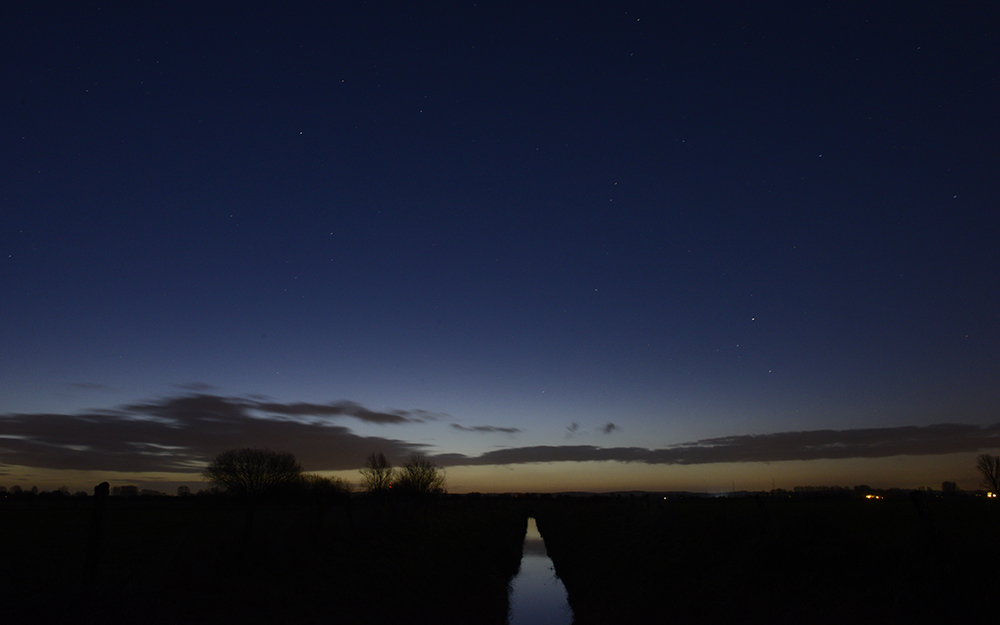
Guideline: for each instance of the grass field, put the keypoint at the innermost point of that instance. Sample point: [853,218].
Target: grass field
[775,560]
[184,560]
[450,560]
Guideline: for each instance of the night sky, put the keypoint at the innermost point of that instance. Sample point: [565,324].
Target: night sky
[601,247]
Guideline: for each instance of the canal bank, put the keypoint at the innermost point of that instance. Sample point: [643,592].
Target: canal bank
[537,594]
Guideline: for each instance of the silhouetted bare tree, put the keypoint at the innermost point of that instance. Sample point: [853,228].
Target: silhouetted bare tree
[420,476]
[252,471]
[320,485]
[989,466]
[377,474]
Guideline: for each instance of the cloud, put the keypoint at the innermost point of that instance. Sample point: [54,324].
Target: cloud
[608,428]
[807,445]
[341,409]
[571,429]
[485,429]
[308,412]
[183,433]
[545,453]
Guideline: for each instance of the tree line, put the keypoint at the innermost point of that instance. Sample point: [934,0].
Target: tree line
[418,476]
[253,472]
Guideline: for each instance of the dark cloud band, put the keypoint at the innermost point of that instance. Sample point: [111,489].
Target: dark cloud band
[182,433]
[485,429]
[807,445]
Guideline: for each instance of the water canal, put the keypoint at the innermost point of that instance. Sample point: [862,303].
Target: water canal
[537,596]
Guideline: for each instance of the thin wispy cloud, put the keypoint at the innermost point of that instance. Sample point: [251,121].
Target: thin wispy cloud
[806,445]
[608,428]
[485,429]
[340,409]
[263,407]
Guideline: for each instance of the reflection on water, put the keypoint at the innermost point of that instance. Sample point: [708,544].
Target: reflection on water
[537,595]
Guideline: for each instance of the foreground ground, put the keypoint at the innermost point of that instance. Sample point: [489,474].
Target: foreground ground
[192,561]
[772,560]
[623,560]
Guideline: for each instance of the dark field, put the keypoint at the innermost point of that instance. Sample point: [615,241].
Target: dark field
[770,560]
[175,560]
[169,560]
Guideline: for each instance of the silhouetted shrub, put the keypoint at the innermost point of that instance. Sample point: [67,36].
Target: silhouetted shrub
[252,471]
[420,476]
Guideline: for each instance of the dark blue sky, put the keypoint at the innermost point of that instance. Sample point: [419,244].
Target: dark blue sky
[495,228]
